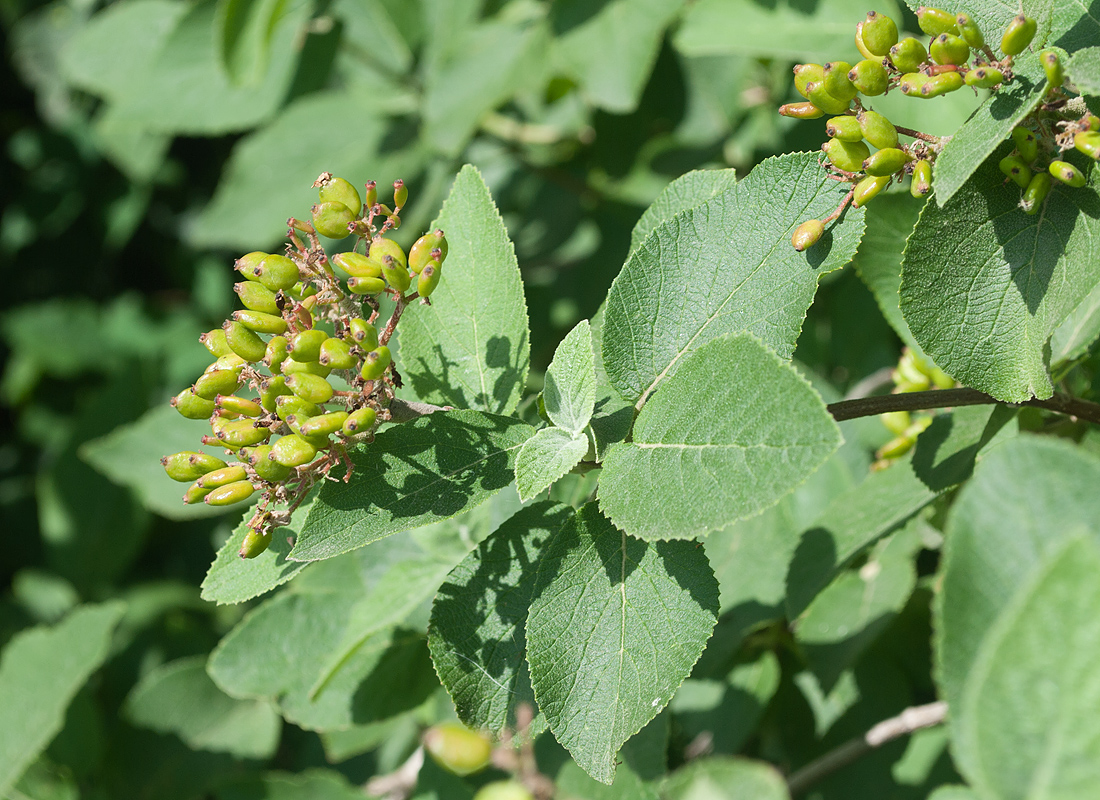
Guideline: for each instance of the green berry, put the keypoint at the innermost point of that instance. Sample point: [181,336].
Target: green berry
[870,77]
[336,353]
[249,263]
[195,494]
[193,406]
[879,33]
[421,251]
[804,75]
[277,272]
[1052,65]
[911,83]
[939,85]
[844,128]
[364,334]
[400,193]
[984,77]
[306,345]
[948,48]
[868,188]
[1018,35]
[922,179]
[360,421]
[276,352]
[1067,174]
[265,468]
[332,219]
[292,405]
[397,274]
[861,45]
[457,748]
[215,342]
[1091,121]
[358,265]
[807,234]
[821,98]
[1036,192]
[908,55]
[878,130]
[886,162]
[504,790]
[259,322]
[180,467]
[381,247]
[292,451]
[1088,142]
[365,286]
[294,367]
[801,110]
[238,405]
[311,388]
[375,363]
[836,80]
[338,190]
[240,432]
[271,389]
[229,494]
[847,156]
[1017,169]
[220,477]
[428,279]
[371,196]
[244,342]
[1026,143]
[935,21]
[324,424]
[210,384]
[254,544]
[257,297]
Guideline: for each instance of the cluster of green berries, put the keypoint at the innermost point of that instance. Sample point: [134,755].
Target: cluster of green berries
[956,56]
[1035,162]
[307,320]
[913,373]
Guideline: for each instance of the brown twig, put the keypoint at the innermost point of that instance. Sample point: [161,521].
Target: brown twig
[950,398]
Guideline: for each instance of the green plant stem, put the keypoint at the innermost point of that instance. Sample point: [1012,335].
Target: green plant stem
[949,398]
[911,719]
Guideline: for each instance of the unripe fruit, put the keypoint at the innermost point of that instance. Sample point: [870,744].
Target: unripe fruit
[332,219]
[238,405]
[359,421]
[969,31]
[193,406]
[897,422]
[908,54]
[306,345]
[879,33]
[294,367]
[421,251]
[372,194]
[338,190]
[324,424]
[1026,143]
[922,179]
[277,272]
[195,494]
[300,291]
[375,363]
[878,130]
[429,279]
[292,451]
[911,83]
[804,75]
[229,494]
[249,263]
[1017,169]
[276,352]
[821,98]
[256,297]
[847,156]
[336,354]
[836,80]
[949,49]
[504,790]
[935,21]
[292,405]
[358,265]
[259,322]
[861,45]
[381,247]
[254,544]
[220,477]
[868,188]
[1052,65]
[1088,142]
[206,462]
[240,433]
[1018,35]
[984,77]
[807,234]
[886,162]
[1067,174]
[801,110]
[244,342]
[265,468]
[311,388]
[366,285]
[230,361]
[896,448]
[457,748]
[844,128]
[869,77]
[180,467]
[364,334]
[215,342]
[219,381]
[397,275]
[1035,193]
[400,193]
[939,85]
[1092,121]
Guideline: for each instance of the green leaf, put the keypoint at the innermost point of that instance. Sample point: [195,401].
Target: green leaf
[472,350]
[1025,499]
[412,474]
[615,627]
[953,793]
[312,784]
[1027,724]
[710,448]
[944,457]
[546,457]
[232,579]
[610,49]
[179,697]
[1083,68]
[569,393]
[989,126]
[476,635]
[984,285]
[787,31]
[1078,331]
[725,266]
[130,456]
[689,191]
[612,418]
[244,30]
[574,782]
[1073,25]
[41,670]
[725,778]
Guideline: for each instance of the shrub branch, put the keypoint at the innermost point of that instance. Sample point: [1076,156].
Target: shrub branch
[948,398]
